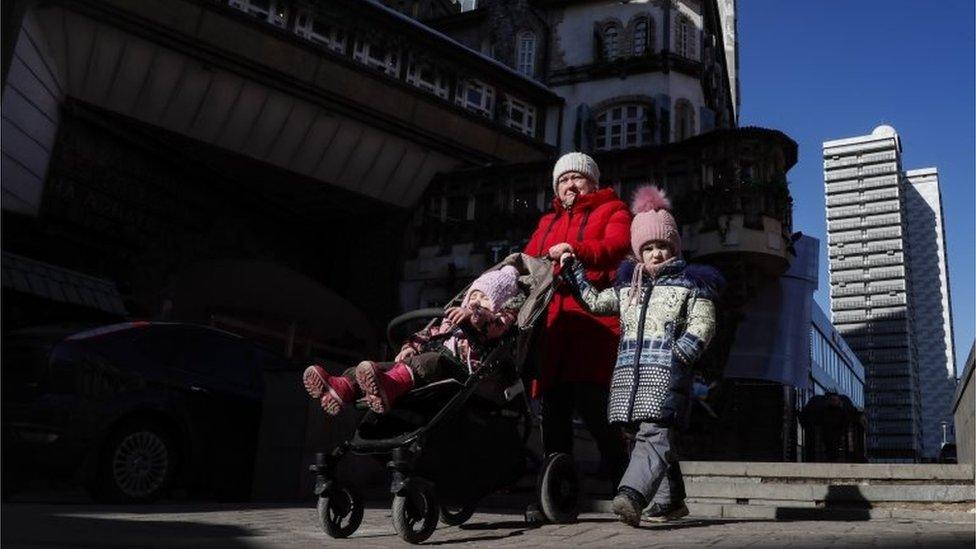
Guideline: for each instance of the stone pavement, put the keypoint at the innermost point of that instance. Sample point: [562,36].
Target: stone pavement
[199,525]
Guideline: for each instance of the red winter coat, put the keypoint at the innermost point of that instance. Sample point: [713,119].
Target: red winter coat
[578,346]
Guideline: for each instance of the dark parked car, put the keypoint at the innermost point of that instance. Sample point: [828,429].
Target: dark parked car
[132,409]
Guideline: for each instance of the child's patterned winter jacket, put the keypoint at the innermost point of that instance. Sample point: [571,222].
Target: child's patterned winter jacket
[664,331]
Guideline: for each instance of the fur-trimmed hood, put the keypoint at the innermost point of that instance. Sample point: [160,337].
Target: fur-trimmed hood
[706,279]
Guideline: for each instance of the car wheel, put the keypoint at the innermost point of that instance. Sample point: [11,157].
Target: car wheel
[137,463]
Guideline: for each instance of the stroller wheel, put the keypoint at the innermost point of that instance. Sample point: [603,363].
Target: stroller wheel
[415,513]
[340,510]
[558,489]
[456,515]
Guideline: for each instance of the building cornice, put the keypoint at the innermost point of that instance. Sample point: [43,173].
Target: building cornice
[624,67]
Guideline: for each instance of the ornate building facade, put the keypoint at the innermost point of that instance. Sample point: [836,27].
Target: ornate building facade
[632,74]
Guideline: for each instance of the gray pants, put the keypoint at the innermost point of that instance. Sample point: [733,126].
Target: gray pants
[653,469]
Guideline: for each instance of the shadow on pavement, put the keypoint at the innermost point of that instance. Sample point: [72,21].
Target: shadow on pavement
[476,538]
[501,524]
[843,503]
[694,523]
[52,529]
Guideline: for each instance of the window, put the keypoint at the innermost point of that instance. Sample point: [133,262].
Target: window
[525,53]
[611,39]
[476,96]
[624,126]
[684,120]
[423,75]
[686,38]
[641,40]
[377,56]
[521,116]
[272,11]
[317,30]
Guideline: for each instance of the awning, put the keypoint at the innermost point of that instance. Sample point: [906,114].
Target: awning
[48,281]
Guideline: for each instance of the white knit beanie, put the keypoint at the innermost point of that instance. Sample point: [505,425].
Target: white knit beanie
[575,162]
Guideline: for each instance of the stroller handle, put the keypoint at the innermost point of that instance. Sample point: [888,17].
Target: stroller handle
[430,313]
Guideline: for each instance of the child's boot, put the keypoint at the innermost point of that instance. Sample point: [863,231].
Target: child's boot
[383,388]
[628,505]
[332,392]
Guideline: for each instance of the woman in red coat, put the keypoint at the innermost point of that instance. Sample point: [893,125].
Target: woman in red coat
[579,349]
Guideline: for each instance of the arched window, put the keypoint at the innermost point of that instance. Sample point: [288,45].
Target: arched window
[684,120]
[625,125]
[642,37]
[686,38]
[611,42]
[525,53]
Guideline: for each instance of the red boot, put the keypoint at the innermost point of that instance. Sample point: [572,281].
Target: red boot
[383,388]
[315,379]
[332,392]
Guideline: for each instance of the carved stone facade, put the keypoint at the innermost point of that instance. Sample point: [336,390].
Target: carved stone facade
[596,53]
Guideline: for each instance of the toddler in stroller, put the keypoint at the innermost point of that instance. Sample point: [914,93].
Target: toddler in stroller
[460,433]
[489,309]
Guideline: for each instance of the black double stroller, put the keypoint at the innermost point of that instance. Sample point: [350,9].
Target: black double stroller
[451,443]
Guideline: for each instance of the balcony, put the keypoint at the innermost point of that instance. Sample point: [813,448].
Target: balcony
[845,305]
[863,209]
[849,276]
[855,223]
[837,291]
[873,247]
[850,173]
[859,262]
[844,199]
[845,238]
[862,184]
[753,219]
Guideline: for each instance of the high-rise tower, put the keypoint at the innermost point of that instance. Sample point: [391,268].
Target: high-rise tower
[889,292]
[932,328]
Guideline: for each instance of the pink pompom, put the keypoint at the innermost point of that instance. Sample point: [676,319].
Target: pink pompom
[649,198]
[508,269]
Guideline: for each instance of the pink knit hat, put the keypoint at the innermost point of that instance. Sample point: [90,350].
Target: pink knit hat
[653,220]
[499,286]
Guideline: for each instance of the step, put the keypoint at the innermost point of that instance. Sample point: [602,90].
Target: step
[779,512]
[805,492]
[775,512]
[860,471]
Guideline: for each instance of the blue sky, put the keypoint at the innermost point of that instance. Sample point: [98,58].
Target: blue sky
[834,68]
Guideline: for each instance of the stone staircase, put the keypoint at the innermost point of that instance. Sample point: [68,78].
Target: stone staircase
[825,491]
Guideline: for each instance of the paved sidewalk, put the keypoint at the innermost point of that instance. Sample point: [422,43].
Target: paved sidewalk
[253,526]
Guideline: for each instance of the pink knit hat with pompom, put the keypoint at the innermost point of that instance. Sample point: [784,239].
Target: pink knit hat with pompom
[652,220]
[499,286]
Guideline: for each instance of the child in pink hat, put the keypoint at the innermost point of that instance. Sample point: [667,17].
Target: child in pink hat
[667,318]
[490,306]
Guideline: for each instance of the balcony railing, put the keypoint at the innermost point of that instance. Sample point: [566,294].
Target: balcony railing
[843,199]
[871,209]
[847,224]
[751,200]
[864,184]
[873,247]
